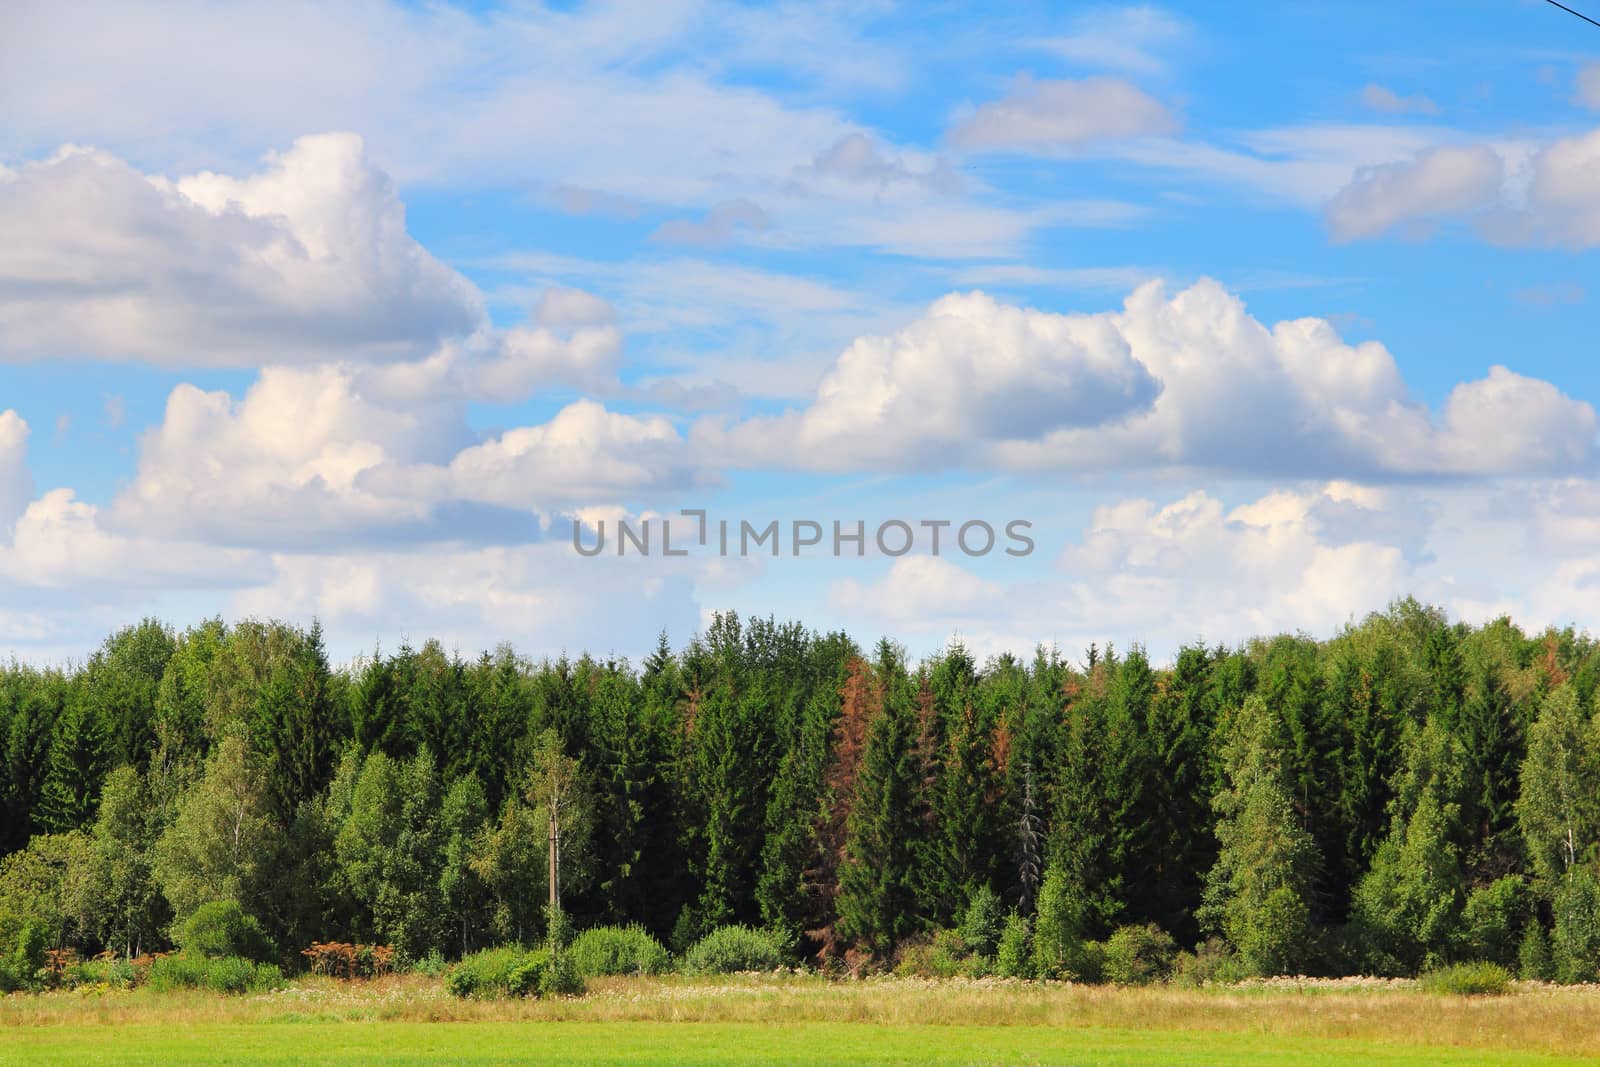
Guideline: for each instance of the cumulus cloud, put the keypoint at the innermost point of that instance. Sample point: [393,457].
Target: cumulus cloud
[919,588]
[1209,571]
[305,260]
[1440,182]
[1385,100]
[969,373]
[1044,115]
[16,481]
[1189,380]
[314,456]
[1514,192]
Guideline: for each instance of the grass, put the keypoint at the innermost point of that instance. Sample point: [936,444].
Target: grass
[805,1020]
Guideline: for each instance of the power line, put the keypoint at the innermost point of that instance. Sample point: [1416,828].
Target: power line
[1569,11]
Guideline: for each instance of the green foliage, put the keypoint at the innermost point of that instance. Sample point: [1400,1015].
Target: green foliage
[1468,980]
[1408,794]
[605,950]
[1139,955]
[1013,956]
[222,928]
[1575,937]
[981,922]
[22,957]
[1212,961]
[731,949]
[1494,918]
[1059,950]
[1534,959]
[488,973]
[1408,906]
[1257,894]
[512,971]
[226,974]
[224,841]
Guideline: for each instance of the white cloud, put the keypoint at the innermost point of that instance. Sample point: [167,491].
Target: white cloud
[315,456]
[917,589]
[969,373]
[1516,192]
[1385,100]
[16,481]
[1053,115]
[584,453]
[307,259]
[1440,182]
[1187,381]
[1131,39]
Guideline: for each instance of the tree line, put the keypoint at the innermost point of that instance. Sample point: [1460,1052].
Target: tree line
[1409,793]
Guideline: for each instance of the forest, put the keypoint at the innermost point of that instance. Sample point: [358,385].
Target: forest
[1408,794]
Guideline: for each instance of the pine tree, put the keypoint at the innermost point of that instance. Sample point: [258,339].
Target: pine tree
[877,890]
[78,761]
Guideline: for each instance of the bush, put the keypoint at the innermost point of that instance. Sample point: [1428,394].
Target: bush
[20,965]
[944,955]
[1211,961]
[104,970]
[1534,961]
[512,971]
[980,924]
[432,965]
[1013,957]
[608,950]
[488,974]
[1139,955]
[1494,917]
[222,928]
[730,949]
[1469,980]
[560,977]
[225,974]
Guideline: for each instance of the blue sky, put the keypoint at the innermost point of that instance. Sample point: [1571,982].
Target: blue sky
[1261,314]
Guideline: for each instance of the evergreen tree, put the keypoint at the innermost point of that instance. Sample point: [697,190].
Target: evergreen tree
[1257,895]
[79,759]
[877,895]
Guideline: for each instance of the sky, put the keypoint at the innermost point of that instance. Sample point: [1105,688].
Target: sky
[1259,316]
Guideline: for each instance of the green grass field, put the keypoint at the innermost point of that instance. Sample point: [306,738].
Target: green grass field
[800,1020]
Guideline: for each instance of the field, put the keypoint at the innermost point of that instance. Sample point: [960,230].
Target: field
[798,1019]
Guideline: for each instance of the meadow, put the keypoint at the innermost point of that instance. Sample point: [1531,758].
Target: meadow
[805,1019]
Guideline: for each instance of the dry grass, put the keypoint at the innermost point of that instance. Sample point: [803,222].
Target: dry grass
[1535,1018]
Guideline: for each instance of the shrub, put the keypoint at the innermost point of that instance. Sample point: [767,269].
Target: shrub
[560,977]
[944,955]
[1468,979]
[730,949]
[512,971]
[1494,917]
[1575,937]
[20,965]
[1533,955]
[225,974]
[104,969]
[980,923]
[341,959]
[1013,957]
[1139,955]
[223,928]
[606,950]
[487,974]
[432,965]
[1059,950]
[1211,961]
